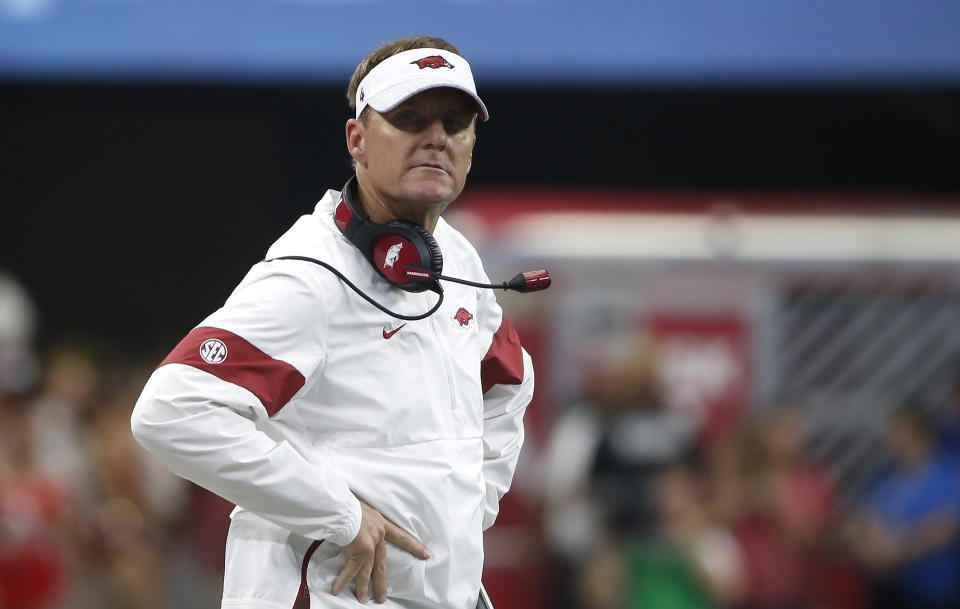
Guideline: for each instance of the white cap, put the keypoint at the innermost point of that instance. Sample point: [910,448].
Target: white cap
[407,73]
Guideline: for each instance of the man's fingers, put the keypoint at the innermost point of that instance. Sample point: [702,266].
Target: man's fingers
[408,542]
[363,566]
[396,535]
[349,572]
[380,573]
[363,581]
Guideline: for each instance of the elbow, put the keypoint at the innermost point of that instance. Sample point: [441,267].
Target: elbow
[139,425]
[153,413]
[144,432]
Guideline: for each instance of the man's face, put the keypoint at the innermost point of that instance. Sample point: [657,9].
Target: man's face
[418,154]
[906,441]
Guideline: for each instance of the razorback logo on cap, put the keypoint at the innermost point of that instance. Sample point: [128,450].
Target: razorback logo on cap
[434,62]
[361,94]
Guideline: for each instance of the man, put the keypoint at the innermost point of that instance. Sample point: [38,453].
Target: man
[907,528]
[366,455]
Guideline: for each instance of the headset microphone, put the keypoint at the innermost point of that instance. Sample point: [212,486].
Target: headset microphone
[406,255]
[531,281]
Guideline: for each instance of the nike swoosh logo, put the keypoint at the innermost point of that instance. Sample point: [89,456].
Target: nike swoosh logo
[392,332]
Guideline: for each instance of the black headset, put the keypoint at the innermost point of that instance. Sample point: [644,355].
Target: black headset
[405,254]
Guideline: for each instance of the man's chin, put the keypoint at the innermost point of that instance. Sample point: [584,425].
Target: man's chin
[433,193]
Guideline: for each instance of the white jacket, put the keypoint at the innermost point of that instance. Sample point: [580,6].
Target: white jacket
[297,397]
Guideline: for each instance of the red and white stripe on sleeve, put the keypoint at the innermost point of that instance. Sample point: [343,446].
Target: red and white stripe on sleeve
[503,363]
[233,359]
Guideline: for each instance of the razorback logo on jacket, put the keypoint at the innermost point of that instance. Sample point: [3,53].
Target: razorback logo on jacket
[463,316]
[434,62]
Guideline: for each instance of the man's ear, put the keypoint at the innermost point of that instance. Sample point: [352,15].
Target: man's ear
[470,158]
[355,132]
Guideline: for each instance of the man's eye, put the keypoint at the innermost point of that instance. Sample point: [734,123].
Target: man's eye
[456,124]
[406,116]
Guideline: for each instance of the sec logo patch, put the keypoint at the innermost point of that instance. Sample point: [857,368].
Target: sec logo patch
[213,351]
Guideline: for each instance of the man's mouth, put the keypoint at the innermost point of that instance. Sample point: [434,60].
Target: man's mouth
[432,165]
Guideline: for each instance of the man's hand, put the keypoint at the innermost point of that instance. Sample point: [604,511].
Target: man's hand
[367,554]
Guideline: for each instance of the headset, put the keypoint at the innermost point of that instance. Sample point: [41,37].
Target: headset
[406,255]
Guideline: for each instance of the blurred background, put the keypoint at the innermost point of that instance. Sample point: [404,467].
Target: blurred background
[748,365]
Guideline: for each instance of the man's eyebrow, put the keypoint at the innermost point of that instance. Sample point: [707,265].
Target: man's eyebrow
[462,109]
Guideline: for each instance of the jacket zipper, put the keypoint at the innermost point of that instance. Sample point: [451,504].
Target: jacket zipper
[435,324]
[304,593]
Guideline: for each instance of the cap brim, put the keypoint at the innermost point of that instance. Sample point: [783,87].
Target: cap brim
[394,95]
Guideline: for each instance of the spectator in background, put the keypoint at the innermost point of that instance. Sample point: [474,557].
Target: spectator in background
[139,504]
[69,392]
[33,526]
[802,492]
[804,502]
[57,419]
[601,460]
[744,501]
[906,529]
[18,319]
[608,447]
[687,561]
[637,438]
[778,502]
[949,423]
[87,519]
[17,360]
[32,510]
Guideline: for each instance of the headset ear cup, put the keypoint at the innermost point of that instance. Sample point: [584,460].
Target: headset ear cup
[433,249]
[390,248]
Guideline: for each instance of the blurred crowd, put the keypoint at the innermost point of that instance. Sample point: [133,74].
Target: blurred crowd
[87,518]
[639,509]
[643,511]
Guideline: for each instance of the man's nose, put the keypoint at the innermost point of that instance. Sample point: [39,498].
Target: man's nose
[435,134]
